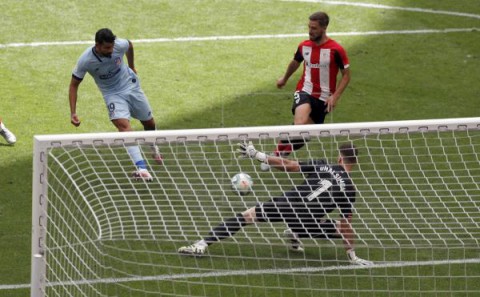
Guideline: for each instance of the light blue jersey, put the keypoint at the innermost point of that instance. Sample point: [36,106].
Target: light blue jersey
[111,75]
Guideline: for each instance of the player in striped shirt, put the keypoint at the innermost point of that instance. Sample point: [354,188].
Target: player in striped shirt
[120,87]
[317,91]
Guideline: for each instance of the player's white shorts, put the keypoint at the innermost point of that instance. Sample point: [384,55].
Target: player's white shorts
[132,103]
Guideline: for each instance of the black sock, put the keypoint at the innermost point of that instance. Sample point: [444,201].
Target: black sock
[296,144]
[226,229]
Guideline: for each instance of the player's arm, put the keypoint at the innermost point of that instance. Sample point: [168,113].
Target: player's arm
[342,85]
[131,56]
[282,163]
[73,95]
[291,68]
[247,150]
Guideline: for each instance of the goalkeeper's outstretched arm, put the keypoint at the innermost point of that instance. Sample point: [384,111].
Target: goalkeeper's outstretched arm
[247,150]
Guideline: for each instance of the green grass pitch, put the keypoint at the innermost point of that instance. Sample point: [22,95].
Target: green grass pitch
[223,83]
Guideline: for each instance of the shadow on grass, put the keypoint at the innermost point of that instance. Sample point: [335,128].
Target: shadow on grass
[15,219]
[393,84]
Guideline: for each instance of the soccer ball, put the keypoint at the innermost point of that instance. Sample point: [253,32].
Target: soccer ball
[242,183]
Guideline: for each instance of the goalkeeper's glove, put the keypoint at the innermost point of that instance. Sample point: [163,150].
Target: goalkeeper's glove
[247,150]
[356,260]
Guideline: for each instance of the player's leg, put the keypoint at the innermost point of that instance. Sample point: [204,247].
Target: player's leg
[324,229]
[122,125]
[307,228]
[226,229]
[280,209]
[141,110]
[294,242]
[7,134]
[119,114]
[330,229]
[263,212]
[307,110]
[301,110]
[149,125]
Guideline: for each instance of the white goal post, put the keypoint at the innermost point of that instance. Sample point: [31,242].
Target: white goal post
[98,232]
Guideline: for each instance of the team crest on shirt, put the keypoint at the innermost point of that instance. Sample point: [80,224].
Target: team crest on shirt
[118,60]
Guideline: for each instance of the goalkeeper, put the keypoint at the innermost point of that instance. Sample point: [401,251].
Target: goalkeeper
[303,208]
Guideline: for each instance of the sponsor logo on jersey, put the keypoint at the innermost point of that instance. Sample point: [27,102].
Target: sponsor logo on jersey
[317,65]
[109,75]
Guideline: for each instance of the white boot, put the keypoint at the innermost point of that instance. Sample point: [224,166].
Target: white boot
[7,134]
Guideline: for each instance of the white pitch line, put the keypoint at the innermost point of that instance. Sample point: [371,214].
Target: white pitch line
[249,273]
[380,6]
[245,37]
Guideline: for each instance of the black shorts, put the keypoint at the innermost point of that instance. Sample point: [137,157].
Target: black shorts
[306,221]
[318,106]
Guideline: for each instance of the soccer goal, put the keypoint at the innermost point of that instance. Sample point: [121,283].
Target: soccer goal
[98,232]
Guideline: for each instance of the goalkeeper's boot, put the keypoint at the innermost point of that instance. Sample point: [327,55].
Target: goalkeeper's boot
[353,259]
[156,156]
[294,242]
[7,134]
[194,249]
[142,174]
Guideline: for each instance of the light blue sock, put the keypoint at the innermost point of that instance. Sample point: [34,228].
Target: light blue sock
[136,155]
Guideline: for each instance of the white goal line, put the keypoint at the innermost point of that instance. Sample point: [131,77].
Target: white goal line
[245,37]
[249,272]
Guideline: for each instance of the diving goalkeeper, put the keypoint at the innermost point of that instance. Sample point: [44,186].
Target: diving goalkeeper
[304,207]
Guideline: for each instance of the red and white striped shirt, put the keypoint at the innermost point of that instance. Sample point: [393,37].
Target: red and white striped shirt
[320,67]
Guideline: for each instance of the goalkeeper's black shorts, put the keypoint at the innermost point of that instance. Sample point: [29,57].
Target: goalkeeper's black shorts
[305,221]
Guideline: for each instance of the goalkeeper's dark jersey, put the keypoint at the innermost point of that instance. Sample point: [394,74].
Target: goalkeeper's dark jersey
[325,188]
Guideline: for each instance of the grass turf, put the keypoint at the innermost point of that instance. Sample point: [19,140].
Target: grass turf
[214,84]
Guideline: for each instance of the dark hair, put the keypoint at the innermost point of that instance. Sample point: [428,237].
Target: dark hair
[321,17]
[349,153]
[104,35]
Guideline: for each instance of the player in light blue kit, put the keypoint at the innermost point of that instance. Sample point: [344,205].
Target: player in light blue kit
[120,88]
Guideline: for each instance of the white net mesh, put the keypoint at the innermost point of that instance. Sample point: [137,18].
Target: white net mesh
[416,215]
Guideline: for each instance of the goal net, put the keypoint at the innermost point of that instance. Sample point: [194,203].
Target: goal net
[98,232]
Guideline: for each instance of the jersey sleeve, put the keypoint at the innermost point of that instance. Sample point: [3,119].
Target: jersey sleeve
[341,58]
[121,45]
[80,69]
[298,55]
[310,166]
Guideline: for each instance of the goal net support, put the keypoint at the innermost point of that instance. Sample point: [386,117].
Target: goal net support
[98,232]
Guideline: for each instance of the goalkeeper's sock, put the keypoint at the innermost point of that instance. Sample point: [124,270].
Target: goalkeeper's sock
[137,158]
[227,229]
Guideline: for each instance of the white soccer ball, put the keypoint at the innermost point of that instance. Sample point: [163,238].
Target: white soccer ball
[242,183]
